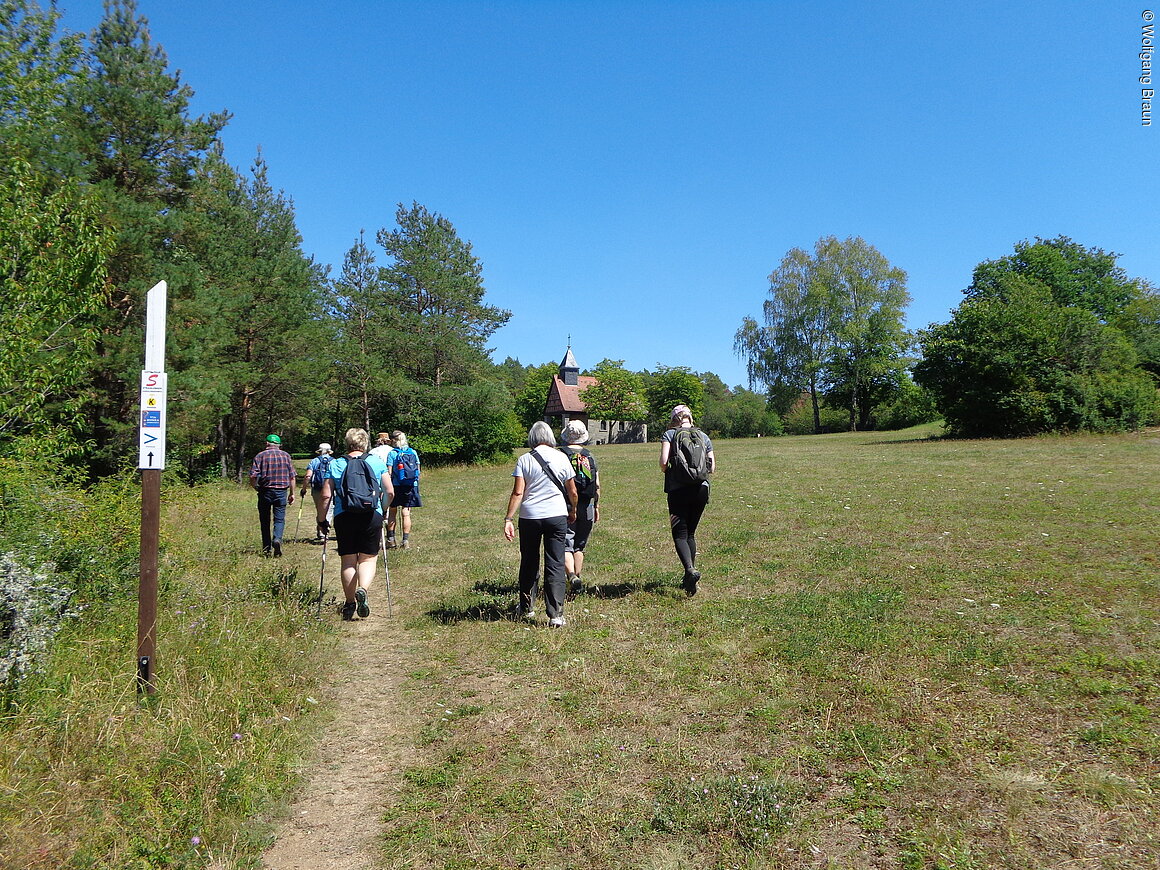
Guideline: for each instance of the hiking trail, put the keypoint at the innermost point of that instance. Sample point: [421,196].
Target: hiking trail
[334,820]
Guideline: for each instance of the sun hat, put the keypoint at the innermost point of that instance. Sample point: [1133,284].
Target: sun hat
[273,439]
[324,448]
[575,432]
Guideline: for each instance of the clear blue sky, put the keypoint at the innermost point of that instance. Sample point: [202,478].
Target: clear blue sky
[631,172]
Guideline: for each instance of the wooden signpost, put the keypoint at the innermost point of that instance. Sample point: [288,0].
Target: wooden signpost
[151,461]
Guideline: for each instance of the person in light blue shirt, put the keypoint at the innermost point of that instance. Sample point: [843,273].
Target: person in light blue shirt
[404,464]
[359,532]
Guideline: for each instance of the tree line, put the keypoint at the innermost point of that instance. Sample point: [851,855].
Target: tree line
[109,183]
[1055,337]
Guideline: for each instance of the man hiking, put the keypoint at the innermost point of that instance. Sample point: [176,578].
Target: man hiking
[272,475]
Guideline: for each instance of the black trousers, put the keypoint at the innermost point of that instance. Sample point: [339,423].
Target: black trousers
[551,532]
[685,508]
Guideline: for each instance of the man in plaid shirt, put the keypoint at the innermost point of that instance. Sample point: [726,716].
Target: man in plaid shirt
[273,476]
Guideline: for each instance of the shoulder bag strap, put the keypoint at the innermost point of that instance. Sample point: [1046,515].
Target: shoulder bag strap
[548,471]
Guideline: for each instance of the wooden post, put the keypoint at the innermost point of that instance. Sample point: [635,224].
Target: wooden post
[147,592]
[151,460]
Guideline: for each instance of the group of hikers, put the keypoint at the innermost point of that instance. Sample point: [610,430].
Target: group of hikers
[555,497]
[351,489]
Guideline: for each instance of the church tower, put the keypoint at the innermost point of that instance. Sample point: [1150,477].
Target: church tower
[569,371]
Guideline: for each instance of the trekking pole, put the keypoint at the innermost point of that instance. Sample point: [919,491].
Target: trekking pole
[386,573]
[321,577]
[298,525]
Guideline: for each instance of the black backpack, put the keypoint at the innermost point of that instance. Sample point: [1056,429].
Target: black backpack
[689,457]
[359,486]
[585,471]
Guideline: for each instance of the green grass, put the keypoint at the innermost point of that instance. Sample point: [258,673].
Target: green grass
[907,652]
[912,652]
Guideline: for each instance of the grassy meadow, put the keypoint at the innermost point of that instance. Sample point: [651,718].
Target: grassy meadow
[907,652]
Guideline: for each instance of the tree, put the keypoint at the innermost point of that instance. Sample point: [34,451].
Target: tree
[434,284]
[616,395]
[868,298]
[1075,276]
[52,268]
[833,328]
[1014,362]
[251,324]
[35,69]
[530,400]
[365,330]
[1139,321]
[788,354]
[669,387]
[738,413]
[137,148]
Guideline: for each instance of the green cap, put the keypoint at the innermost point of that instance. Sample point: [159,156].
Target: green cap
[273,439]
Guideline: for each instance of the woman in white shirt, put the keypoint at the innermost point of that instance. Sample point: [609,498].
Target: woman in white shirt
[545,493]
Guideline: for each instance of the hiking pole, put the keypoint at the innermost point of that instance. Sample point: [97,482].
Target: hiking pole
[321,577]
[386,572]
[298,525]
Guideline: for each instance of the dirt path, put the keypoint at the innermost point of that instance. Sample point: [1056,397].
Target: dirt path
[334,823]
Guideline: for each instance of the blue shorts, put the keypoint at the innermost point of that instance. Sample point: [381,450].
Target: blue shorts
[407,496]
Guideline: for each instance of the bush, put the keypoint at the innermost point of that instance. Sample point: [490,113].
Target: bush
[33,604]
[1021,365]
[911,406]
[800,419]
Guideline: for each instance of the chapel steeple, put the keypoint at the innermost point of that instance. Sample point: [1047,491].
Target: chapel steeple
[569,371]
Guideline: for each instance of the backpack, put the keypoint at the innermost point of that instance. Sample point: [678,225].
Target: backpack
[321,473]
[359,486]
[689,457]
[585,474]
[405,468]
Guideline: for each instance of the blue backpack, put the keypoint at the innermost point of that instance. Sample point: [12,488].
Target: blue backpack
[405,468]
[359,486]
[321,473]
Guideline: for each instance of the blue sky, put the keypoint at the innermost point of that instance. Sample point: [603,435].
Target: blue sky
[629,173]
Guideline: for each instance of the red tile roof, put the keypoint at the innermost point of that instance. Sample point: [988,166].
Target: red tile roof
[563,398]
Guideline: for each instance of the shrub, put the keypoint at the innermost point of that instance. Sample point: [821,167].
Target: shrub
[33,604]
[1020,365]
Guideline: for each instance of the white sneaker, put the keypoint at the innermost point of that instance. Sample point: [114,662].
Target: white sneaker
[528,614]
[556,622]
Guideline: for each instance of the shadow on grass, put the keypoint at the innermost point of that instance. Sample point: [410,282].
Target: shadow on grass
[493,601]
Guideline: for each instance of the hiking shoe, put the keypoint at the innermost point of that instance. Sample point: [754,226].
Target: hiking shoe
[406,545]
[277,549]
[690,582]
[361,607]
[577,585]
[348,611]
[556,622]
[527,614]
[390,543]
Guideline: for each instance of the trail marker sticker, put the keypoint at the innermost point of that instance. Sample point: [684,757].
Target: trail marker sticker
[151,436]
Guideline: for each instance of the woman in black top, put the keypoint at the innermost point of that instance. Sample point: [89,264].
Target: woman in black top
[686,499]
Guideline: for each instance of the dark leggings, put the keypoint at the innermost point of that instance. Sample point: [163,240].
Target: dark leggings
[551,531]
[685,508]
